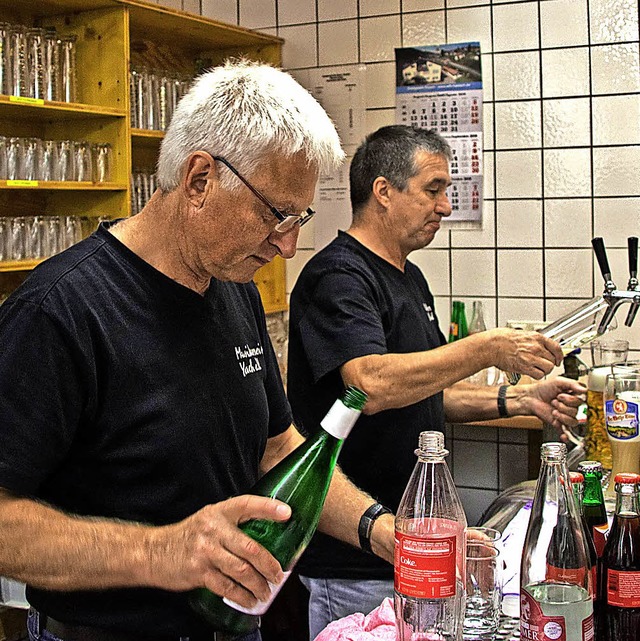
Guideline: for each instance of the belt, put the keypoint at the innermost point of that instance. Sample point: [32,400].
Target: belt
[70,632]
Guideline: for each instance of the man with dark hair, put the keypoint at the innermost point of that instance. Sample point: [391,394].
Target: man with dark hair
[362,314]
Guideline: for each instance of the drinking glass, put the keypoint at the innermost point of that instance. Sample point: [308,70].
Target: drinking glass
[17,238]
[609,352]
[5,231]
[102,162]
[51,66]
[65,157]
[29,159]
[14,158]
[17,53]
[53,236]
[5,59]
[82,162]
[621,404]
[3,157]
[48,160]
[34,43]
[484,591]
[67,53]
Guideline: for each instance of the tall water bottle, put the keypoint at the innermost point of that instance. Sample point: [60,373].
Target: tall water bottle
[430,549]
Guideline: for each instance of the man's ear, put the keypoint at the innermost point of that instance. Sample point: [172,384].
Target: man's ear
[380,190]
[199,176]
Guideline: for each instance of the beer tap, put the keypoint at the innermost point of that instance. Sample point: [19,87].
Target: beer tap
[615,297]
[632,286]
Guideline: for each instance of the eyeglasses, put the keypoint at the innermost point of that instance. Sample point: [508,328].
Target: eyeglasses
[286,221]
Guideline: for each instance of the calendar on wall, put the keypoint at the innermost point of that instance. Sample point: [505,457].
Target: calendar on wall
[440,87]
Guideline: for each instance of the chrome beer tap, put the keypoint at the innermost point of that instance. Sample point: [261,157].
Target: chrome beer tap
[615,297]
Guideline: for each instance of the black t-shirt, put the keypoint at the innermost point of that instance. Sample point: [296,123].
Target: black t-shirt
[124,394]
[348,302]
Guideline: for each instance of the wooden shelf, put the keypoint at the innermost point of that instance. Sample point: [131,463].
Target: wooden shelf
[18,108]
[147,134]
[51,185]
[18,265]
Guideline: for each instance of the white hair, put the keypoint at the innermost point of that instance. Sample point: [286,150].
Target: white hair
[245,111]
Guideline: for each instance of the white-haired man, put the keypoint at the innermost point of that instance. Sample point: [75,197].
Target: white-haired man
[128,420]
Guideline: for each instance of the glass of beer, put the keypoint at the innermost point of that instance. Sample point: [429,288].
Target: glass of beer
[621,410]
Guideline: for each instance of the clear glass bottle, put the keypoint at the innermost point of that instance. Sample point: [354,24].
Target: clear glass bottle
[430,549]
[302,481]
[477,324]
[621,562]
[556,586]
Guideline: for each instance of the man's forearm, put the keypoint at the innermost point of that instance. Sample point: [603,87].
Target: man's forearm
[49,549]
[343,508]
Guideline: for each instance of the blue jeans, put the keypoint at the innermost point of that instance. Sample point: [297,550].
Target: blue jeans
[33,625]
[332,599]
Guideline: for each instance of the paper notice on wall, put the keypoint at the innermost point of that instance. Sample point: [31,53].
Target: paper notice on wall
[440,87]
[342,93]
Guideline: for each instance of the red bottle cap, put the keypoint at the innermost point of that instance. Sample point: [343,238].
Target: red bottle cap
[627,478]
[576,477]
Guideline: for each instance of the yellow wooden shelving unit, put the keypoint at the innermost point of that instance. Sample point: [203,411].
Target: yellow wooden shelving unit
[111,34]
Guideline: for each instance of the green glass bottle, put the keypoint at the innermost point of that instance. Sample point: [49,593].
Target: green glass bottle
[595,512]
[463,331]
[454,325]
[302,481]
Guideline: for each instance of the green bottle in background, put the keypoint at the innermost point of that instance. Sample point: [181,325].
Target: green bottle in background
[454,325]
[463,332]
[302,481]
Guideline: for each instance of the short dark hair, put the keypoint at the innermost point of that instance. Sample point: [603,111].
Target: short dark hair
[390,152]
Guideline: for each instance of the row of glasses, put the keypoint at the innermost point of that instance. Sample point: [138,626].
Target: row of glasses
[154,97]
[143,184]
[36,237]
[37,63]
[60,160]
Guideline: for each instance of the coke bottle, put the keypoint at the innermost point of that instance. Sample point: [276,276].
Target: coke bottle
[621,562]
[556,587]
[302,481]
[577,483]
[430,549]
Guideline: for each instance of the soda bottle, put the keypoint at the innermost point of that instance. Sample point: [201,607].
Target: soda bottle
[302,481]
[556,588]
[577,483]
[595,512]
[430,544]
[477,324]
[621,562]
[463,330]
[454,326]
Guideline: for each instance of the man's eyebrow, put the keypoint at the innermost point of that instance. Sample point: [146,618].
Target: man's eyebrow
[440,181]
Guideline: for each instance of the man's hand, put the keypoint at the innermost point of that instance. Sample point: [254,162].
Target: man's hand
[556,401]
[208,550]
[530,353]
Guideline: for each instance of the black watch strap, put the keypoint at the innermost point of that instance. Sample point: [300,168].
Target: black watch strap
[366,525]
[502,401]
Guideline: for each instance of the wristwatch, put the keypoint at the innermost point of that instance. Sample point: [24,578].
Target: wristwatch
[366,524]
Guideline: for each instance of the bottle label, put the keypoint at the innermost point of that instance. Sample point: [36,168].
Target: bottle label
[621,419]
[339,420]
[261,606]
[536,626]
[600,533]
[565,575]
[425,567]
[623,589]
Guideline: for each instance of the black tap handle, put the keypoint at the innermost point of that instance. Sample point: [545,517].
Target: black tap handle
[601,255]
[632,244]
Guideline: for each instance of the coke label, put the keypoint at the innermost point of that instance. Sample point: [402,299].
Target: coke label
[623,589]
[425,567]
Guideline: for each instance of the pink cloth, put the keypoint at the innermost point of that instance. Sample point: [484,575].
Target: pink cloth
[378,625]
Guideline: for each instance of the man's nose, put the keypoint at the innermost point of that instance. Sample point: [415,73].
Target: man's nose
[443,205]
[286,243]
